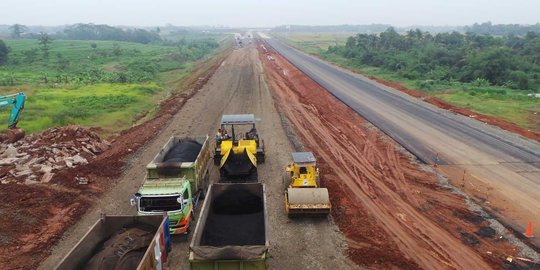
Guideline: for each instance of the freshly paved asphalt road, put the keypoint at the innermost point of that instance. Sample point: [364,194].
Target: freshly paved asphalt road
[504,162]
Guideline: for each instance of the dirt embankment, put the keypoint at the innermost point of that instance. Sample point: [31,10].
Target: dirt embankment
[393,213]
[33,217]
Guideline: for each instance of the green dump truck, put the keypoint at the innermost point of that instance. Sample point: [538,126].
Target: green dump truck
[175,181]
[231,231]
[121,242]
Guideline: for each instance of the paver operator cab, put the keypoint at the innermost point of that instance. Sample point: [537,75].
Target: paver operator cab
[238,147]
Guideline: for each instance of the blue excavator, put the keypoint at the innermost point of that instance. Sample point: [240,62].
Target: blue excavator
[17,101]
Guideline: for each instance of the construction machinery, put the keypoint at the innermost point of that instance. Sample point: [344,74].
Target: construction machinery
[176,179]
[17,101]
[237,153]
[303,195]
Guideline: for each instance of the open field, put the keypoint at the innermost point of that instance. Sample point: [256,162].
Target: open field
[315,43]
[104,84]
[508,104]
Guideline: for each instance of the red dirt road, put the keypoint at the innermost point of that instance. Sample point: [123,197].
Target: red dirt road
[394,214]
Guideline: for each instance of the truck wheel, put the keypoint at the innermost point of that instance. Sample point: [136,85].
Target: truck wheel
[191,219]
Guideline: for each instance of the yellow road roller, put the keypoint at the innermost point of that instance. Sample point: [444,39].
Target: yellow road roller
[303,195]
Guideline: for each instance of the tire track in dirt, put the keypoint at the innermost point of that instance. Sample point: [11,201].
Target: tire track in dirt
[409,221]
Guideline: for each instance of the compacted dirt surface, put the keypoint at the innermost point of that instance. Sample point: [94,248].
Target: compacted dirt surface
[392,212]
[237,86]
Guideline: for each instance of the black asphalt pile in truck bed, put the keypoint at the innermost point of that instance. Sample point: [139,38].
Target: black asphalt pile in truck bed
[236,218]
[184,151]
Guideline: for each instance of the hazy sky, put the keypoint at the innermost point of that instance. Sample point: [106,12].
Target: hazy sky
[268,13]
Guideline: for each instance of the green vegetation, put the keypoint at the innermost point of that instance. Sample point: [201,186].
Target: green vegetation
[315,43]
[482,28]
[90,31]
[112,107]
[106,84]
[4,51]
[502,29]
[490,75]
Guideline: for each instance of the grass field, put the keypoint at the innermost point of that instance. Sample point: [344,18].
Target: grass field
[512,105]
[102,84]
[315,43]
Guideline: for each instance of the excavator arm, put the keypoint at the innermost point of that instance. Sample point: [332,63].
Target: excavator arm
[17,100]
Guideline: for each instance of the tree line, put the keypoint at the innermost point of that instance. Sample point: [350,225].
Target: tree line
[511,61]
[502,29]
[478,28]
[83,31]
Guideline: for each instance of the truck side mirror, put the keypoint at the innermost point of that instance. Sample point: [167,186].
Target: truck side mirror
[132,202]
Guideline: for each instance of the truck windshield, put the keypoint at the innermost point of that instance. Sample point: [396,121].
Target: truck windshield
[168,203]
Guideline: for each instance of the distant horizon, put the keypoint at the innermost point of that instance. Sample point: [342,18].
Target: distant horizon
[268,14]
[257,27]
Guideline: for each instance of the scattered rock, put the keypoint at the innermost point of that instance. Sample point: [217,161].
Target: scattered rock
[82,180]
[47,177]
[34,158]
[11,151]
[8,161]
[77,159]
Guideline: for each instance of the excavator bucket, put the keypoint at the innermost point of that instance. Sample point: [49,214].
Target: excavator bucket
[237,166]
[307,202]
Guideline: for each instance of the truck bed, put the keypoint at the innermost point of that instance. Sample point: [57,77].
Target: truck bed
[232,225]
[109,231]
[181,157]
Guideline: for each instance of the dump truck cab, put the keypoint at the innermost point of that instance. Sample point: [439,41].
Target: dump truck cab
[303,194]
[173,196]
[238,147]
[175,181]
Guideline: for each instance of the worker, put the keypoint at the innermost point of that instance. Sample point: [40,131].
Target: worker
[224,134]
[252,134]
[219,135]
